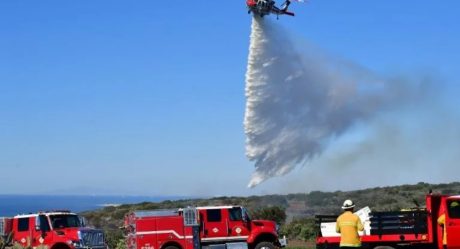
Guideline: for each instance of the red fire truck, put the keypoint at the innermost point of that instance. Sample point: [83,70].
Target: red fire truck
[53,230]
[417,228]
[219,227]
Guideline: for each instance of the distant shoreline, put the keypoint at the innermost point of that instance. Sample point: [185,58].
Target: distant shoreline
[11,205]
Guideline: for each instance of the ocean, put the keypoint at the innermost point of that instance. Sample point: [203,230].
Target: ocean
[11,205]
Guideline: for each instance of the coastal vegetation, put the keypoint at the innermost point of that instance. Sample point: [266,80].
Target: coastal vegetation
[294,212]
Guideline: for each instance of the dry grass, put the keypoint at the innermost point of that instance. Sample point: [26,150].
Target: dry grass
[300,244]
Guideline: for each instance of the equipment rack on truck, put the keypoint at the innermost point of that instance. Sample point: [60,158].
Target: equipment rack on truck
[416,228]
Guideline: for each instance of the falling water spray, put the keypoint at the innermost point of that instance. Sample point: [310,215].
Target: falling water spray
[298,101]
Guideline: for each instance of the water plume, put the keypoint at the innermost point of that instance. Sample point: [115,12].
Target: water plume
[299,100]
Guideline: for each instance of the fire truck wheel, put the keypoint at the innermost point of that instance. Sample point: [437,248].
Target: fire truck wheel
[265,245]
[171,247]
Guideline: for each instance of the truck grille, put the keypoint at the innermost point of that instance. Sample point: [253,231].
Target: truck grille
[93,238]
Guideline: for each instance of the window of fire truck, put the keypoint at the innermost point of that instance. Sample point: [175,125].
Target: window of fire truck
[454,209]
[213,215]
[23,224]
[63,221]
[235,213]
[41,223]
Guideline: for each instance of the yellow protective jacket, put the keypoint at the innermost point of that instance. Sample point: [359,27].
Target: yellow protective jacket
[348,225]
[442,222]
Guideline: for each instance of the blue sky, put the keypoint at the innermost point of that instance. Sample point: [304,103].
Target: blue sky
[147,97]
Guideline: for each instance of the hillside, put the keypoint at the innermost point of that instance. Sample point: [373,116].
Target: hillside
[299,208]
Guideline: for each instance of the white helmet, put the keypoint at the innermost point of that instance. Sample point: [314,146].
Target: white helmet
[348,204]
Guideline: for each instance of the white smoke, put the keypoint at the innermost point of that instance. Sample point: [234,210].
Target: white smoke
[299,101]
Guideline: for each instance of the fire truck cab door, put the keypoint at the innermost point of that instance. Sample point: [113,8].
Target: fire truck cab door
[214,225]
[42,234]
[23,231]
[453,223]
[238,221]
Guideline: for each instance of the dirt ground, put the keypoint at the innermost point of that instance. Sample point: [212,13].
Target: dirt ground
[301,244]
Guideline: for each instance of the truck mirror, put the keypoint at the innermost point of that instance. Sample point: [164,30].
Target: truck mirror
[82,221]
[245,217]
[37,223]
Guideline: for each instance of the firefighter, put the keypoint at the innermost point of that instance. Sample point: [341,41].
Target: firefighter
[442,223]
[348,225]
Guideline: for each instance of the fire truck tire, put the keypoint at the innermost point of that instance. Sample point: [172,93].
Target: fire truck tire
[265,245]
[171,247]
[60,246]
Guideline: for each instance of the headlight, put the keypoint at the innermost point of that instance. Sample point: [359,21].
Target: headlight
[76,243]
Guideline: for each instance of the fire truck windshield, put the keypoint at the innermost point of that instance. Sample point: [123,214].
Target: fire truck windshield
[64,221]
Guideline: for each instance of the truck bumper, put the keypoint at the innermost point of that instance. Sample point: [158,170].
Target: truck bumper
[91,247]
